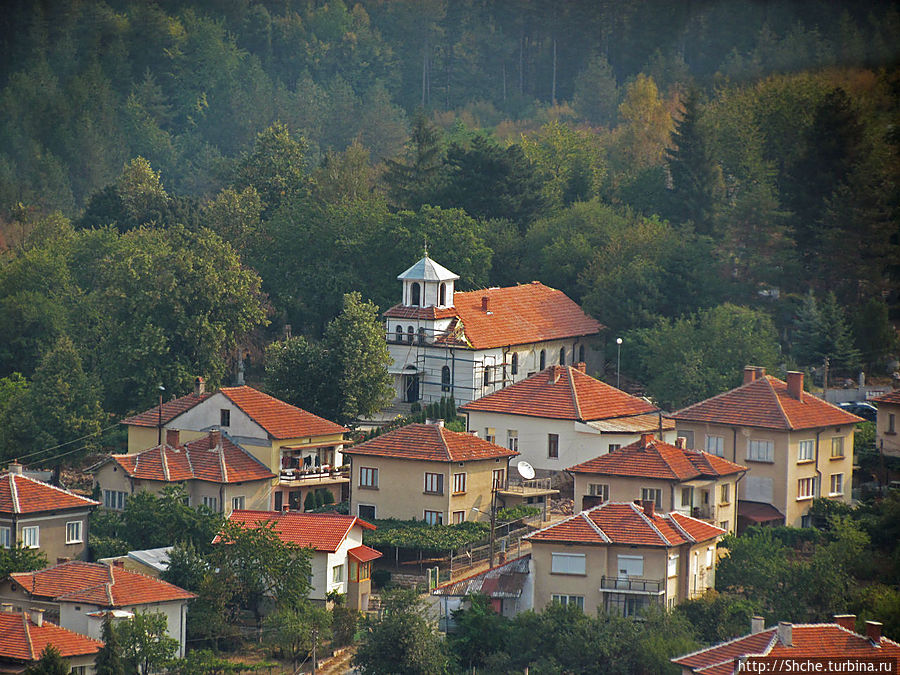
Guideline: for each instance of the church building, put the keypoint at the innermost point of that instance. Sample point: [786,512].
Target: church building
[466,345]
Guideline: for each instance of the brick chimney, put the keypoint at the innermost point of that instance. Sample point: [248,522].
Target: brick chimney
[199,386]
[757,624]
[873,631]
[847,621]
[680,442]
[555,373]
[786,633]
[646,440]
[37,616]
[795,384]
[15,467]
[649,507]
[215,438]
[582,366]
[485,303]
[749,374]
[173,436]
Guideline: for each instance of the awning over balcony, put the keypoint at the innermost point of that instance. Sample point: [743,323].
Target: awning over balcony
[759,512]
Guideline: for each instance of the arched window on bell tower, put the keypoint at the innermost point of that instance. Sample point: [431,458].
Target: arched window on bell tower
[416,293]
[442,300]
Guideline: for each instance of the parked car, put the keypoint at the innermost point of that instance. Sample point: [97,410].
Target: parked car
[861,408]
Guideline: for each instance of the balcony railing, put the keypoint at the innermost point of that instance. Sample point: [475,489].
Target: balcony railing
[632,584]
[315,473]
[525,487]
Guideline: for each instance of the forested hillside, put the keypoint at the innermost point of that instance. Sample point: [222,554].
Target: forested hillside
[714,181]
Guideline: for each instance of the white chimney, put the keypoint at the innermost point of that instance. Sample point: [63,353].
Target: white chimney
[786,633]
[37,616]
[757,624]
[15,467]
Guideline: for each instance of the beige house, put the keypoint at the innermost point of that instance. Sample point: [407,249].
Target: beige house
[690,482]
[561,416]
[796,446]
[213,471]
[43,517]
[621,558]
[426,472]
[76,594]
[340,561]
[26,635]
[888,423]
[302,450]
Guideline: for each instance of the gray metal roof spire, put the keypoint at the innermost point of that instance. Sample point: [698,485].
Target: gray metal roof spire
[428,270]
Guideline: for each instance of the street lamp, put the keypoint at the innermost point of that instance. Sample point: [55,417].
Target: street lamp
[618,359]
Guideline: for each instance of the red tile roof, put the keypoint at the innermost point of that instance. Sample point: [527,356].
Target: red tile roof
[516,315]
[23,640]
[765,402]
[626,523]
[432,443]
[562,392]
[807,640]
[655,459]
[170,410]
[321,531]
[202,459]
[890,397]
[20,494]
[281,420]
[364,554]
[103,585]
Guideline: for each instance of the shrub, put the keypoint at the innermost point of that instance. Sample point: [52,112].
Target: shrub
[381,578]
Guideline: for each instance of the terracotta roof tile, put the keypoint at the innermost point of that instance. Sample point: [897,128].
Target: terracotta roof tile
[23,640]
[890,397]
[364,554]
[516,315]
[562,392]
[198,460]
[766,403]
[808,640]
[656,459]
[170,410]
[626,523]
[20,494]
[430,442]
[281,420]
[104,585]
[321,531]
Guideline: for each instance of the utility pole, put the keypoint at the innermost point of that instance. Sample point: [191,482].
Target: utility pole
[159,419]
[618,360]
[493,520]
[825,382]
[315,642]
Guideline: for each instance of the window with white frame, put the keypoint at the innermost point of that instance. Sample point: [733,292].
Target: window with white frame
[599,490]
[805,452]
[673,565]
[237,503]
[612,447]
[337,574]
[761,451]
[211,503]
[837,446]
[368,477]
[564,600]
[725,494]
[4,537]
[553,445]
[434,517]
[31,536]
[512,439]
[710,555]
[652,495]
[73,532]
[499,478]
[568,563]
[715,445]
[837,484]
[631,565]
[688,437]
[490,434]
[724,525]
[434,483]
[806,488]
[114,499]
[687,496]
[459,517]
[459,483]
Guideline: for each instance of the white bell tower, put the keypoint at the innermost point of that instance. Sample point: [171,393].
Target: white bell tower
[428,284]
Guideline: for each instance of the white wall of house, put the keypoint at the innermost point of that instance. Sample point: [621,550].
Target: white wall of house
[323,564]
[207,415]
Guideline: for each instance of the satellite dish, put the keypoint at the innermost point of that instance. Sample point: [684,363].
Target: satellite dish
[525,470]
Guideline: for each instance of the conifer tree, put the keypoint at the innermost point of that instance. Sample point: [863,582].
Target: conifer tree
[50,663]
[109,658]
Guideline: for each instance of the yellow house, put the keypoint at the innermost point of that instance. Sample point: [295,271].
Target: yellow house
[303,450]
[888,423]
[690,482]
[796,446]
[426,472]
[622,558]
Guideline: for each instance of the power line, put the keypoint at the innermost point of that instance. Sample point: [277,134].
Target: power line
[95,433]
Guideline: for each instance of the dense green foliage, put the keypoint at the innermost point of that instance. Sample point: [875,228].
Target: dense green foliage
[50,663]
[416,534]
[145,642]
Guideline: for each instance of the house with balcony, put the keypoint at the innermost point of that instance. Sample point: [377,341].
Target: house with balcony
[302,449]
[26,635]
[44,517]
[675,479]
[887,424]
[796,446]
[426,472]
[213,470]
[622,558]
[341,563]
[75,595]
[562,416]
[465,345]
[802,646]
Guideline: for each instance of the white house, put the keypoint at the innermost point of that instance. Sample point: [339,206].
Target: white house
[465,345]
[561,416]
